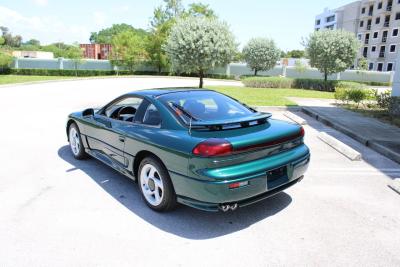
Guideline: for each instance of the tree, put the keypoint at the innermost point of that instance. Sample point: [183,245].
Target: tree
[5,59]
[164,18]
[75,53]
[362,64]
[33,42]
[331,51]
[2,41]
[154,47]
[261,54]
[105,35]
[197,44]
[128,50]
[200,10]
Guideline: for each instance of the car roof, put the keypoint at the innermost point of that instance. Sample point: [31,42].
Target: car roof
[156,92]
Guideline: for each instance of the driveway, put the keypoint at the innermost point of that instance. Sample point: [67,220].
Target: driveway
[56,211]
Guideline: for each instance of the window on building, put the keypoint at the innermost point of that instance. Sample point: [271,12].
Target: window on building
[378,20]
[330,18]
[371,10]
[361,24]
[330,27]
[359,36]
[380,67]
[397,15]
[395,32]
[380,5]
[389,67]
[375,35]
[373,48]
[318,22]
[317,29]
[370,66]
[392,48]
[363,10]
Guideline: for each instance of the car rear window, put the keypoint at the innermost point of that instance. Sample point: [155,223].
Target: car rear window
[205,106]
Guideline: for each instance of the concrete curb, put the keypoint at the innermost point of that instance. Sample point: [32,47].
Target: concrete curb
[340,147]
[295,118]
[334,125]
[384,151]
[387,152]
[395,185]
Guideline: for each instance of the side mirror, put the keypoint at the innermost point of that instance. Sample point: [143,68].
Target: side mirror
[88,112]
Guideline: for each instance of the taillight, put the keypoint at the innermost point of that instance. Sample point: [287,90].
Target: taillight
[301,131]
[213,147]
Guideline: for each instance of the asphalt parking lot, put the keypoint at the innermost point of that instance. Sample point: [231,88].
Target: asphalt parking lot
[56,211]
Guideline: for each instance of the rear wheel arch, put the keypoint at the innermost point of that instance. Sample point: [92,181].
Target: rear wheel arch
[138,159]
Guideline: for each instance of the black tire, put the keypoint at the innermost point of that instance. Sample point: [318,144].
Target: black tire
[79,151]
[168,199]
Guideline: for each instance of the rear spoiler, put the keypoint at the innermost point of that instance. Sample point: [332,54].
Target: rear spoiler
[219,125]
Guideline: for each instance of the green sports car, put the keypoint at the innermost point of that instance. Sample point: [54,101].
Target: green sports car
[191,146]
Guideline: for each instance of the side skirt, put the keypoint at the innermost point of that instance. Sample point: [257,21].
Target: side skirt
[118,167]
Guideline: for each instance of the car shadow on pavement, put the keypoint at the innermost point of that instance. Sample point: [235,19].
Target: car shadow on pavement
[184,221]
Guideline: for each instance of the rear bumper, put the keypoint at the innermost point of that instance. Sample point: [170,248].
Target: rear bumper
[242,203]
[209,194]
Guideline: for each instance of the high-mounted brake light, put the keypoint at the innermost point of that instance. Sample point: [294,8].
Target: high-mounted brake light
[213,147]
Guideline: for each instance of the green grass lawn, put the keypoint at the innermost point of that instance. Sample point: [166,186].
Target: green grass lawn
[7,79]
[267,96]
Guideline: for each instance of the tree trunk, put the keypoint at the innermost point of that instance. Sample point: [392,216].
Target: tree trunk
[255,72]
[201,75]
[326,77]
[159,68]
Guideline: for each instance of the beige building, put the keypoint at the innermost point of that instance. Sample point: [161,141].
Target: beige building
[33,54]
[376,24]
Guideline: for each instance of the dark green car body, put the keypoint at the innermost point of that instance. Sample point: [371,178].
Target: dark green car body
[267,166]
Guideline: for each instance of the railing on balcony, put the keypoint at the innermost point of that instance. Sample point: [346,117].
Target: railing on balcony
[384,39]
[386,24]
[370,13]
[365,54]
[389,8]
[381,54]
[366,41]
[368,27]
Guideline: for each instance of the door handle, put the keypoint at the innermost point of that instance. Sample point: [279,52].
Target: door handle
[121,139]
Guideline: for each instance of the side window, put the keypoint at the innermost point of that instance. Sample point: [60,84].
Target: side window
[152,116]
[124,109]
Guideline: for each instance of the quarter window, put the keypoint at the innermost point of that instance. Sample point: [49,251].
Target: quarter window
[152,116]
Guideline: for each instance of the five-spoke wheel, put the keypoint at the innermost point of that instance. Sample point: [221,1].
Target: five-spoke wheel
[155,185]
[75,142]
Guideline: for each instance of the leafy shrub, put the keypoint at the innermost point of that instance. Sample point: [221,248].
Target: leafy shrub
[268,82]
[341,94]
[383,99]
[349,85]
[311,84]
[357,95]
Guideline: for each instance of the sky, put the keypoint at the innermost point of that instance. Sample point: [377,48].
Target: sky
[285,21]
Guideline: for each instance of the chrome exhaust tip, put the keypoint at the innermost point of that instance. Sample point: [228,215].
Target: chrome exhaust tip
[227,207]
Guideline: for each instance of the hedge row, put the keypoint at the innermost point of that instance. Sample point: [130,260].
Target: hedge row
[312,84]
[86,73]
